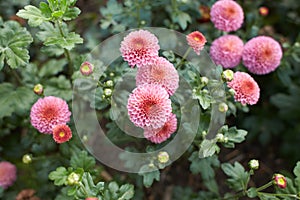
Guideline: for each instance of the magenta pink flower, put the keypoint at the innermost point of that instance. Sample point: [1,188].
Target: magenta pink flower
[149,106]
[160,72]
[245,87]
[161,134]
[227,51]
[48,112]
[61,133]
[227,15]
[8,174]
[196,40]
[139,48]
[262,55]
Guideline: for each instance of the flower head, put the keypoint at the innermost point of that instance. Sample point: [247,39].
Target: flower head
[62,133]
[8,174]
[86,68]
[227,51]
[48,112]
[263,11]
[245,87]
[149,106]
[262,55]
[139,48]
[279,180]
[227,15]
[196,40]
[161,134]
[160,72]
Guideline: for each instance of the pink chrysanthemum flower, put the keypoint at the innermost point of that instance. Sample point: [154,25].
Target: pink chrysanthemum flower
[62,133]
[227,15]
[196,40]
[245,87]
[8,174]
[227,51]
[262,55]
[48,112]
[163,133]
[139,48]
[149,106]
[161,72]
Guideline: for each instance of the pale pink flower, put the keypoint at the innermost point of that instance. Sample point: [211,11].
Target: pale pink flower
[140,48]
[227,51]
[161,72]
[8,174]
[149,106]
[48,112]
[262,55]
[245,87]
[196,41]
[161,134]
[227,15]
[62,133]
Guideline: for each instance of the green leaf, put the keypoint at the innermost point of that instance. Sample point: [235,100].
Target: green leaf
[126,192]
[183,19]
[15,100]
[204,98]
[33,14]
[59,176]
[71,13]
[208,148]
[203,165]
[252,192]
[238,176]
[149,173]
[13,43]
[82,160]
[234,135]
[52,67]
[59,87]
[67,42]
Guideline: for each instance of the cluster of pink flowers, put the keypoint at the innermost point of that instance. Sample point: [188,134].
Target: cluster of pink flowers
[260,55]
[8,174]
[49,115]
[149,105]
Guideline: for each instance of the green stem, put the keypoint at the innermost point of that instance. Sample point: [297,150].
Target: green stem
[138,16]
[280,195]
[184,57]
[17,77]
[66,51]
[264,186]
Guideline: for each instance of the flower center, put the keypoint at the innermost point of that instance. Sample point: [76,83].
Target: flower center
[158,73]
[247,86]
[85,68]
[150,107]
[230,12]
[267,53]
[62,134]
[138,43]
[49,112]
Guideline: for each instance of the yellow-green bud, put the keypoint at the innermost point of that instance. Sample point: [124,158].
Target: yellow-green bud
[231,91]
[27,158]
[253,164]
[163,157]
[204,80]
[73,179]
[223,107]
[220,137]
[227,75]
[38,89]
[107,92]
[109,83]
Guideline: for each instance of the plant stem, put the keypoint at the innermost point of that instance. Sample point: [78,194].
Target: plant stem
[67,52]
[264,186]
[280,195]
[17,77]
[184,57]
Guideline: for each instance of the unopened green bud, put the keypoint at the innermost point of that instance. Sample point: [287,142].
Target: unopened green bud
[205,91]
[151,165]
[107,92]
[223,107]
[220,137]
[109,83]
[253,164]
[204,80]
[227,75]
[73,179]
[226,139]
[111,74]
[231,92]
[163,157]
[38,89]
[27,158]
[204,133]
